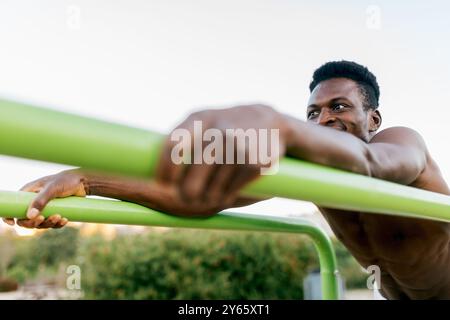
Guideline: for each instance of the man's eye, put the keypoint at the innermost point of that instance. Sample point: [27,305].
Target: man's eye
[338,107]
[312,114]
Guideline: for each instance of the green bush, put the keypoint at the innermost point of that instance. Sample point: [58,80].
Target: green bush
[19,273]
[39,254]
[178,264]
[197,265]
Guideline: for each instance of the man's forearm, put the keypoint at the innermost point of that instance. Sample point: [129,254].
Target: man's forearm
[326,146]
[138,191]
[145,192]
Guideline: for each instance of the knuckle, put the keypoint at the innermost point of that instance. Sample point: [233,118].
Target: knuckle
[260,106]
[199,113]
[39,203]
[194,116]
[263,106]
[28,187]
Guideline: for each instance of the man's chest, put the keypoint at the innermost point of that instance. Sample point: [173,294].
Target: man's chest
[413,255]
[374,237]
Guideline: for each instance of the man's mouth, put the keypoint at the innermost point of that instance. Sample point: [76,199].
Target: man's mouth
[340,128]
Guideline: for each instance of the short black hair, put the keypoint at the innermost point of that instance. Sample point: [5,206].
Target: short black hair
[365,79]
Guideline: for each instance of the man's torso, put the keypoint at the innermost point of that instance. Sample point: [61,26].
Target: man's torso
[413,254]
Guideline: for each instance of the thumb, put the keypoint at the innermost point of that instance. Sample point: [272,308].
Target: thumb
[40,201]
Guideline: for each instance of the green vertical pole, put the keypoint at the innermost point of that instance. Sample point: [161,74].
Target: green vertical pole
[14,204]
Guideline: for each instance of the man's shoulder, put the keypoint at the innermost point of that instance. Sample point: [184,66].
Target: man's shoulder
[409,139]
[400,135]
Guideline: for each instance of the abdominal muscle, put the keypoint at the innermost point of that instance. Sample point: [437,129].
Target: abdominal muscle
[413,254]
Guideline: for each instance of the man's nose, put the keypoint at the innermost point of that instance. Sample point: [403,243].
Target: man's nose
[325,119]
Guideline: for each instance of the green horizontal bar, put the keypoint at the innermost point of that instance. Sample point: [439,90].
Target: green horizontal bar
[48,135]
[14,204]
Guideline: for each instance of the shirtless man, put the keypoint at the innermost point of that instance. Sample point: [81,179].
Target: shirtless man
[341,131]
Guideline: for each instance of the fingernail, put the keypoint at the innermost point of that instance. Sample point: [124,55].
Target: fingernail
[39,220]
[32,213]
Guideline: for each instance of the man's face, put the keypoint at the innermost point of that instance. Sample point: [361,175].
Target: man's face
[338,103]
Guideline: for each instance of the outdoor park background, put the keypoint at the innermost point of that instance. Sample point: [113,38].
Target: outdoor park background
[149,64]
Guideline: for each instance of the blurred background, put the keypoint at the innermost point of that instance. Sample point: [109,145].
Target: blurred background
[149,64]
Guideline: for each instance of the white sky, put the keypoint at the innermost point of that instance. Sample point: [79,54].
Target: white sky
[150,63]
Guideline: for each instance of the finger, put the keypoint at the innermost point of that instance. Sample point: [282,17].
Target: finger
[168,171]
[61,223]
[34,186]
[40,201]
[31,189]
[219,182]
[32,213]
[242,176]
[195,181]
[31,223]
[50,222]
[38,221]
[25,223]
[9,221]
[184,136]
[198,176]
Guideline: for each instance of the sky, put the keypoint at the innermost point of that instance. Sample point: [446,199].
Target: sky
[150,63]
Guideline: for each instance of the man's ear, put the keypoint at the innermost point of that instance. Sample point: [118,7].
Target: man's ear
[375,120]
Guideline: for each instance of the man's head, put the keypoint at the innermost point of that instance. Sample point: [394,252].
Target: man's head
[344,96]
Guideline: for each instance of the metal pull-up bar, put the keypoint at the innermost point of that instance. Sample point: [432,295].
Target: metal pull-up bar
[49,135]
